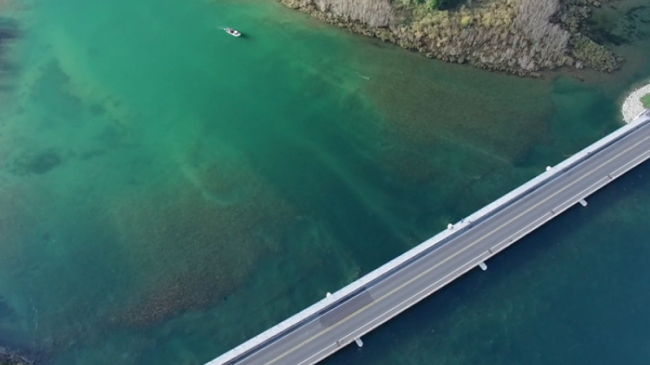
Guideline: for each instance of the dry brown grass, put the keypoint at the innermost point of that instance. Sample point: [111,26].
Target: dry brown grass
[374,13]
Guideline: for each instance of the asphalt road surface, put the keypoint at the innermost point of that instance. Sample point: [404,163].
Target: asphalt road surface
[343,321]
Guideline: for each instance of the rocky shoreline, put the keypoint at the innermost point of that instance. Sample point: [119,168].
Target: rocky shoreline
[521,37]
[633,107]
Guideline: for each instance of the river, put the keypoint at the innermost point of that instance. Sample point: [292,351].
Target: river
[168,191]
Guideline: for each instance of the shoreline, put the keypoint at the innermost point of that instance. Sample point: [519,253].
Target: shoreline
[632,106]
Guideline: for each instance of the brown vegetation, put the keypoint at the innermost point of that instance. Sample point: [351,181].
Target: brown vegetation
[375,13]
[545,38]
[518,36]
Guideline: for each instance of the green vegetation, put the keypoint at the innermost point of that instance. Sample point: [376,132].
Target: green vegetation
[646,100]
[465,21]
[430,4]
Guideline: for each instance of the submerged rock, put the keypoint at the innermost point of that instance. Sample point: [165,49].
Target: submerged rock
[38,164]
[10,357]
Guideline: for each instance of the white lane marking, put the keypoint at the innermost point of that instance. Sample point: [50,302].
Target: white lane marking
[628,166]
[510,240]
[451,276]
[583,194]
[326,348]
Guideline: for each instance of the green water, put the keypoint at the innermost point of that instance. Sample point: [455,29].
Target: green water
[168,191]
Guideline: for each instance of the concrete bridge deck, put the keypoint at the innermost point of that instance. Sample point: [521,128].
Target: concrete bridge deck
[355,310]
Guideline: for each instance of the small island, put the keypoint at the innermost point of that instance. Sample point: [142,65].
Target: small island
[636,103]
[521,37]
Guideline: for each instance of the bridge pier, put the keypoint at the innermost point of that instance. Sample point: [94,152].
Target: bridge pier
[358,341]
[482,265]
[583,202]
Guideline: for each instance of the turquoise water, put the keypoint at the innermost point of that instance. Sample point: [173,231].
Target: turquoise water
[168,191]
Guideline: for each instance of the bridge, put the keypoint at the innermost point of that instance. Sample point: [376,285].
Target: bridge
[343,317]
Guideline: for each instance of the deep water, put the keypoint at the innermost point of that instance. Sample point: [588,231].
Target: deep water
[168,191]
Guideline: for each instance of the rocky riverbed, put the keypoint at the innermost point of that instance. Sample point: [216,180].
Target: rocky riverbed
[9,357]
[521,37]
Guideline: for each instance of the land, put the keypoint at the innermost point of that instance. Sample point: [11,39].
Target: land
[522,37]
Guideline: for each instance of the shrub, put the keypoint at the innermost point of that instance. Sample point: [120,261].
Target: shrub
[429,4]
[466,21]
[434,4]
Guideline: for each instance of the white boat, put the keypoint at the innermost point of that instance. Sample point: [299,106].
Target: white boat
[232,32]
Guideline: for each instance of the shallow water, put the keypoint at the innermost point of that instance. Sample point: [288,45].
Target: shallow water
[168,191]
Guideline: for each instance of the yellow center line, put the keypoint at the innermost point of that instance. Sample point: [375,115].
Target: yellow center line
[410,281]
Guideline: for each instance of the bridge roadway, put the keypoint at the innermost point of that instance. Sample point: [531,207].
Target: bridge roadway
[336,326]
